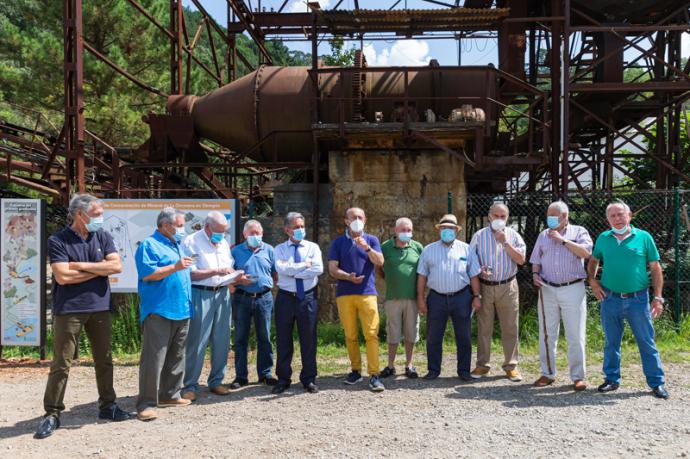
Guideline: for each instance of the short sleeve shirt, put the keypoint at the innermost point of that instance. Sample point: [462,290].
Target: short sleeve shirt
[625,262]
[260,263]
[448,268]
[90,296]
[354,259]
[400,268]
[170,297]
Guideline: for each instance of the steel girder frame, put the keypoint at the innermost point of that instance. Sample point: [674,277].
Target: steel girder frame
[593,153]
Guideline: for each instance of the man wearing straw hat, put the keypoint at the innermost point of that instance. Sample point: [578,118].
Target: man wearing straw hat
[450,269]
[558,272]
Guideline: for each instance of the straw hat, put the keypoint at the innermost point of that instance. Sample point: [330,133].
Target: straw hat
[448,220]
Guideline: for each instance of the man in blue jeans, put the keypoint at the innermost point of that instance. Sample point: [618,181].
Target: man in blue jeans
[257,260]
[626,252]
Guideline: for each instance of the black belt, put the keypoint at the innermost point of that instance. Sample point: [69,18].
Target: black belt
[487,282]
[628,295]
[209,288]
[448,295]
[564,284]
[251,295]
[294,294]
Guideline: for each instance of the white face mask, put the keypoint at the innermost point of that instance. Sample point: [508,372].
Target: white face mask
[498,224]
[356,226]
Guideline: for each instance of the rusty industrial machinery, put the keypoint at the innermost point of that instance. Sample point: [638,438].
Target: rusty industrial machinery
[555,112]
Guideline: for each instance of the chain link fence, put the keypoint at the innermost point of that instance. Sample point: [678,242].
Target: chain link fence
[663,214]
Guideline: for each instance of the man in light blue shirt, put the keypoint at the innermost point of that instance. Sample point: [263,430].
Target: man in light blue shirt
[299,265]
[257,260]
[165,290]
[450,268]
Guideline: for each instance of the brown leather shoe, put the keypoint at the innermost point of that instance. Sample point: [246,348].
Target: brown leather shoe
[220,390]
[147,414]
[580,385]
[544,381]
[191,396]
[173,403]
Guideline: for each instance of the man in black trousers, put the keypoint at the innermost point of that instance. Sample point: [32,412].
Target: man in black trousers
[299,265]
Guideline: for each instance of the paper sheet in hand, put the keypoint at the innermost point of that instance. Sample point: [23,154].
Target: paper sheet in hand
[230,278]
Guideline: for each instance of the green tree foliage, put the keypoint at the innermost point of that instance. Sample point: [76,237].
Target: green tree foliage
[340,57]
[31,62]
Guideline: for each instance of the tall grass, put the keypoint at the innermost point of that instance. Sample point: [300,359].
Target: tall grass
[126,334]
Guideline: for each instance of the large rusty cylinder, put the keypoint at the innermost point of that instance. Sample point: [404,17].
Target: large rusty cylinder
[278,105]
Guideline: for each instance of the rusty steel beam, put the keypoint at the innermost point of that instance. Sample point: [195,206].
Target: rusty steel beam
[122,71]
[247,18]
[74,93]
[652,86]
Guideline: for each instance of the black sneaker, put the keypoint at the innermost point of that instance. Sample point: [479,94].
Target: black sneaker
[311,388]
[375,384]
[114,413]
[239,382]
[47,426]
[411,372]
[280,388]
[353,378]
[465,376]
[388,371]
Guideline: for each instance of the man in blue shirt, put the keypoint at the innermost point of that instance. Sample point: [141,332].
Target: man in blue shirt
[165,289]
[351,260]
[82,256]
[254,300]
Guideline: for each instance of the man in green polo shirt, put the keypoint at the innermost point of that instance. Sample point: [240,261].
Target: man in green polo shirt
[626,253]
[401,255]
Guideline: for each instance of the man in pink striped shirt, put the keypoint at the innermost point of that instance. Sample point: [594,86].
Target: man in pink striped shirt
[558,272]
[500,249]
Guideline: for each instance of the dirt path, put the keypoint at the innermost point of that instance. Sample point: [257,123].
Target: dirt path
[445,418]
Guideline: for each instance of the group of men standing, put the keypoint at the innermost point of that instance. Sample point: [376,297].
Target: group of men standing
[185,285]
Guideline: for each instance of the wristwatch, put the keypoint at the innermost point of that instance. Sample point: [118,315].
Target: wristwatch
[564,241]
[368,250]
[478,295]
[660,299]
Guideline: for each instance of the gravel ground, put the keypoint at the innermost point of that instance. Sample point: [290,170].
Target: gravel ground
[444,418]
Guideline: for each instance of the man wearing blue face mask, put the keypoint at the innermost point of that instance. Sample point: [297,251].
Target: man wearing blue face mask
[254,301]
[82,256]
[299,265]
[450,269]
[401,255]
[211,277]
[627,253]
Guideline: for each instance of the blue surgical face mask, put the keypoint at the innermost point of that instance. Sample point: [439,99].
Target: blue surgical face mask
[405,237]
[217,237]
[552,221]
[94,224]
[254,241]
[447,235]
[180,233]
[620,231]
[298,234]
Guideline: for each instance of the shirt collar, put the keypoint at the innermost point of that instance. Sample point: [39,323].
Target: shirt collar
[394,241]
[88,236]
[157,235]
[633,231]
[299,244]
[347,234]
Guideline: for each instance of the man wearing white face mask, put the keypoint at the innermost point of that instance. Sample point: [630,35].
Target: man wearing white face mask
[299,265]
[351,260]
[401,255]
[558,272]
[254,301]
[627,253]
[210,323]
[500,249]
